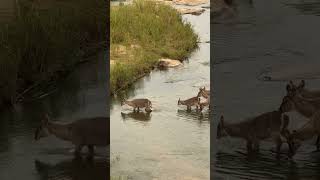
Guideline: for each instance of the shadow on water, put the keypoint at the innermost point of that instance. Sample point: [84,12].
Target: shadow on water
[73,169]
[139,116]
[194,115]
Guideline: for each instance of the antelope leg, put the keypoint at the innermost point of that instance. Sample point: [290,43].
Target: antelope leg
[78,150]
[91,150]
[317,143]
[249,146]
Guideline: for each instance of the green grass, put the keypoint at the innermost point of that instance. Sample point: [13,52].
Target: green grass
[40,44]
[157,29]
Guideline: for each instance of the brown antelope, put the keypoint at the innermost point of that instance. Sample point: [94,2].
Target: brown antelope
[253,130]
[88,132]
[194,101]
[306,93]
[309,108]
[204,93]
[139,103]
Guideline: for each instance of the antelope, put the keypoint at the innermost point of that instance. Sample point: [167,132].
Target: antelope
[194,101]
[253,130]
[309,108]
[204,93]
[88,132]
[306,93]
[139,103]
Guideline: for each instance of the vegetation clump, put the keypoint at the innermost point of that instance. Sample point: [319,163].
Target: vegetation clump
[44,42]
[140,34]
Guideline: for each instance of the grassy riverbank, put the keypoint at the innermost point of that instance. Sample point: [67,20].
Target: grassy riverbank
[140,34]
[44,41]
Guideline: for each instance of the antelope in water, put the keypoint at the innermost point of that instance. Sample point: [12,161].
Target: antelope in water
[206,94]
[300,88]
[194,101]
[309,108]
[265,126]
[88,132]
[139,103]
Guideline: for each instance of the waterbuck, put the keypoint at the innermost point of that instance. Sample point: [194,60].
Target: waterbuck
[204,93]
[194,101]
[138,103]
[270,125]
[88,132]
[309,108]
[300,88]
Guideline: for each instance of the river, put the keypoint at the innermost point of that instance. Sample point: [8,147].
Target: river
[277,39]
[168,143]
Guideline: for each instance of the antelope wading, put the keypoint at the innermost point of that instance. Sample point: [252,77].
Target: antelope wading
[194,101]
[88,132]
[309,108]
[138,103]
[206,94]
[265,126]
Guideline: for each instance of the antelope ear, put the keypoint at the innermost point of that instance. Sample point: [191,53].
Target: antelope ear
[288,87]
[291,83]
[204,88]
[302,84]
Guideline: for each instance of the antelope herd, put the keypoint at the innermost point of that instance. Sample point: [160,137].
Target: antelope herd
[193,101]
[274,124]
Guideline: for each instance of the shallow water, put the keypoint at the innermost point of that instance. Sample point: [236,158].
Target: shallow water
[276,38]
[82,94]
[168,143]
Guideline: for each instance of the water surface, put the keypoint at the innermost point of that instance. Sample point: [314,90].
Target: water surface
[168,143]
[274,37]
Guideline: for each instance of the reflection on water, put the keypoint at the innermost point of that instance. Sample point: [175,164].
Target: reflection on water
[270,35]
[139,116]
[169,142]
[72,169]
[82,94]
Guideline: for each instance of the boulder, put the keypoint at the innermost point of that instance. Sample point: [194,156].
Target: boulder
[190,2]
[166,63]
[192,11]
